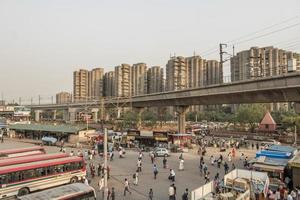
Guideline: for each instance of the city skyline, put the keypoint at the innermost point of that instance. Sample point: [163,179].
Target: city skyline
[43,39]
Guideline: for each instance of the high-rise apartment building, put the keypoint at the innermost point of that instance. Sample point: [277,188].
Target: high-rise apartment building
[263,62]
[88,85]
[176,74]
[123,80]
[138,79]
[63,97]
[96,83]
[214,72]
[196,71]
[109,84]
[155,80]
[80,85]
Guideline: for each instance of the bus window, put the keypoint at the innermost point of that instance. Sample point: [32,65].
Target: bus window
[3,179]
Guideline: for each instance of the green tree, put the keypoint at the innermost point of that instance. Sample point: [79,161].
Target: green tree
[149,118]
[130,119]
[250,114]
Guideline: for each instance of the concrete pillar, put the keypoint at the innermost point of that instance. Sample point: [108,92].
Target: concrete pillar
[66,115]
[72,115]
[181,111]
[139,120]
[37,115]
[297,107]
[54,115]
[95,114]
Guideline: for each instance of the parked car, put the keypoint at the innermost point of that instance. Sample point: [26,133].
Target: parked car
[160,152]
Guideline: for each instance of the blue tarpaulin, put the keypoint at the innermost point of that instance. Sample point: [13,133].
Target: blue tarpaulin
[280,148]
[273,154]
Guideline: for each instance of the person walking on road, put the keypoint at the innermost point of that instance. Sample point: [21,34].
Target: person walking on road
[126,187]
[185,195]
[152,156]
[181,165]
[172,175]
[136,177]
[155,171]
[150,195]
[101,185]
[172,192]
[226,167]
[139,165]
[165,162]
[112,194]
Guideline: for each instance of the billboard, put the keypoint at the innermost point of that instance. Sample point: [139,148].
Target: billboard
[21,111]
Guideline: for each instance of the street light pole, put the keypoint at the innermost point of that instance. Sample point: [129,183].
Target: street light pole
[105,163]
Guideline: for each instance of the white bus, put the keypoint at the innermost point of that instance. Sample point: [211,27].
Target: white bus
[75,191]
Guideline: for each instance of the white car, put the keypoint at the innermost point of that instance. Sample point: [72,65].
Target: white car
[161,152]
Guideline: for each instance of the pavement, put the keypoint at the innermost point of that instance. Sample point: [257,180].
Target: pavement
[124,168]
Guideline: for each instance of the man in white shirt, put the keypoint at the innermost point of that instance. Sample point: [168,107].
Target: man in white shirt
[171,192]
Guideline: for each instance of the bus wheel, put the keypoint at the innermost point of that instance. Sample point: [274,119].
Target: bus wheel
[74,180]
[23,191]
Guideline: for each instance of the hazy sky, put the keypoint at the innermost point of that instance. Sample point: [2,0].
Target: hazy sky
[43,42]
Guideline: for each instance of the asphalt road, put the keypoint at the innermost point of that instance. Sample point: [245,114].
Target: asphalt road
[124,168]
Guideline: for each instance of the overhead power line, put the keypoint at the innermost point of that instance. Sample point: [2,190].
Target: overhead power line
[215,49]
[269,33]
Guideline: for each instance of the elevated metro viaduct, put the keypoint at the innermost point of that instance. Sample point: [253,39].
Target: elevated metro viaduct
[284,88]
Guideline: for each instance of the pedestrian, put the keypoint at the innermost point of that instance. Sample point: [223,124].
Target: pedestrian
[172,175]
[121,153]
[206,177]
[72,153]
[185,195]
[252,145]
[155,171]
[171,192]
[277,195]
[233,152]
[136,177]
[111,156]
[204,168]
[242,156]
[201,168]
[233,166]
[101,185]
[165,162]
[181,157]
[140,155]
[113,195]
[212,160]
[108,171]
[217,176]
[219,163]
[181,165]
[126,187]
[229,157]
[152,156]
[139,165]
[150,195]
[99,169]
[257,146]
[226,167]
[91,165]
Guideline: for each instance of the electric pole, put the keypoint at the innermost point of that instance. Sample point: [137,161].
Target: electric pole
[105,163]
[222,59]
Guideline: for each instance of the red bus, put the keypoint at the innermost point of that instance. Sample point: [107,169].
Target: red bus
[27,159]
[21,179]
[12,153]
